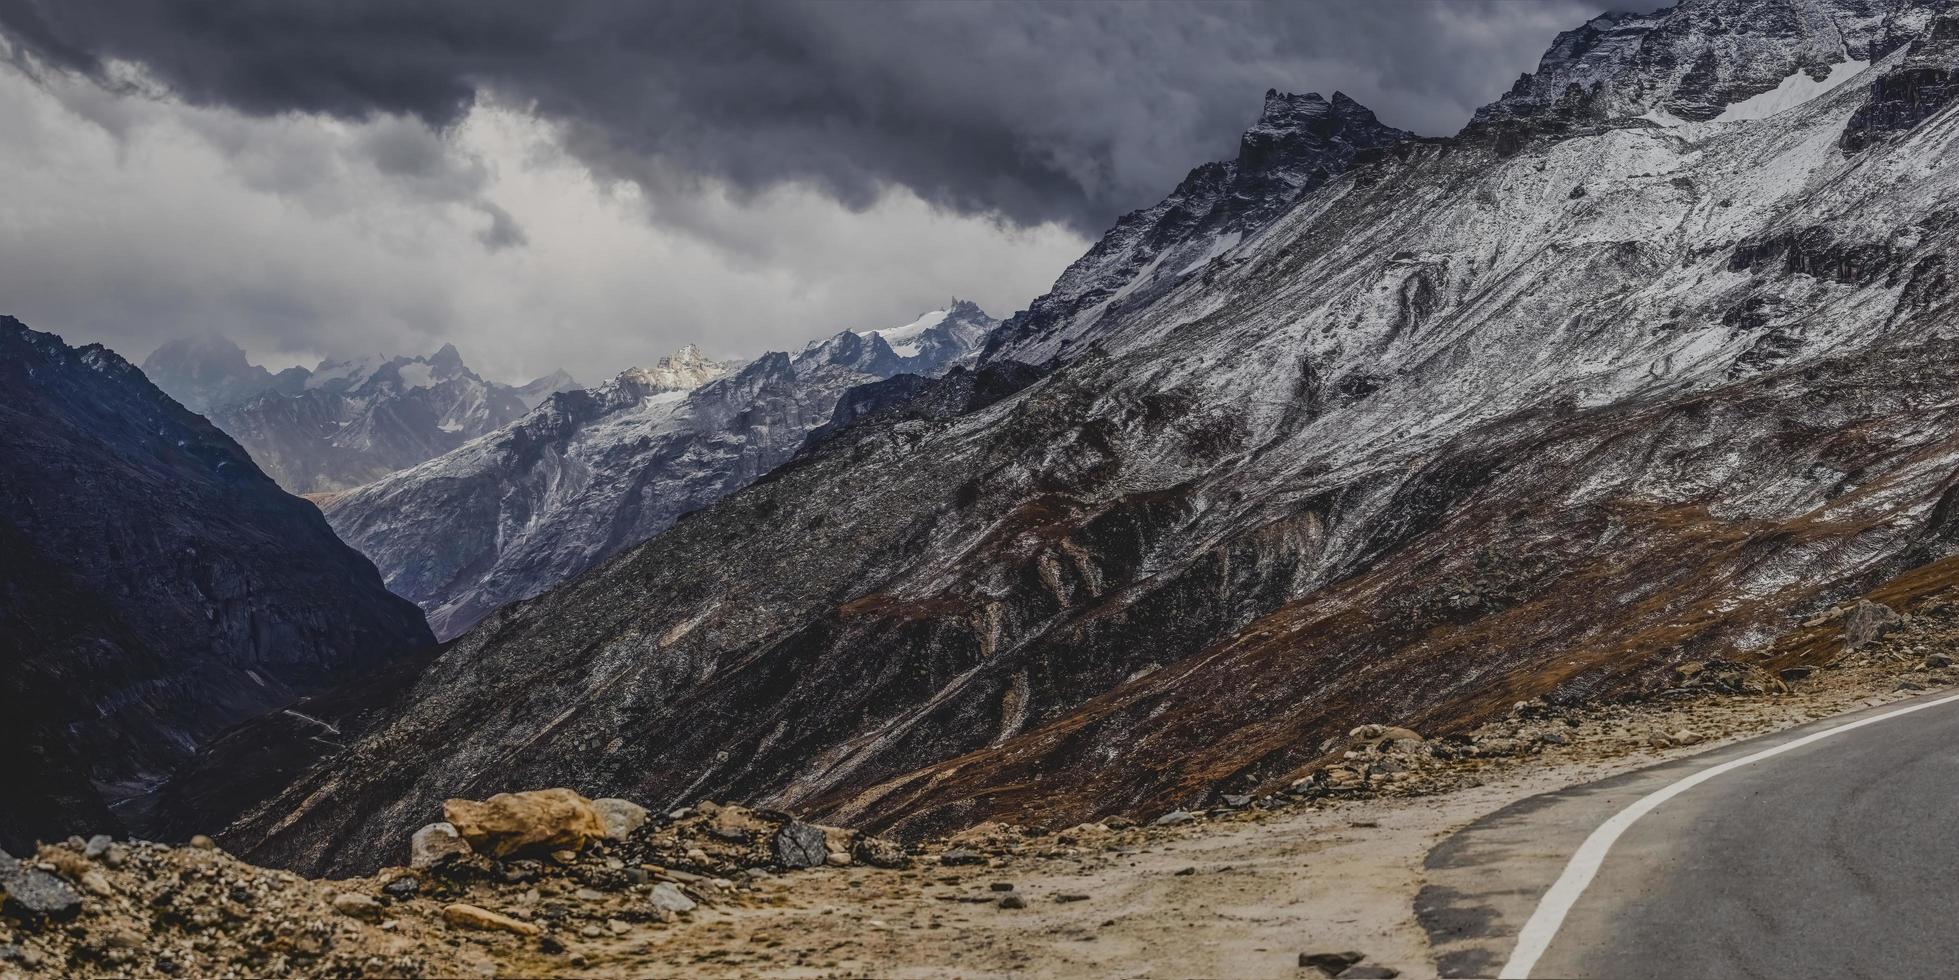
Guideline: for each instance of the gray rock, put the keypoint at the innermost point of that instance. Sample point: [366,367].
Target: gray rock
[1331,964]
[35,895]
[1013,902]
[403,887]
[621,817]
[1173,818]
[1369,972]
[800,845]
[97,846]
[668,896]
[960,855]
[436,844]
[881,852]
[1866,622]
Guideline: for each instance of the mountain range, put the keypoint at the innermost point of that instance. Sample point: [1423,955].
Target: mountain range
[590,473]
[343,423]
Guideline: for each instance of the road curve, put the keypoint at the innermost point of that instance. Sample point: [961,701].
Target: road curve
[1801,854]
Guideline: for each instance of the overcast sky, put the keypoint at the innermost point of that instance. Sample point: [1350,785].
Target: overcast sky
[591,184]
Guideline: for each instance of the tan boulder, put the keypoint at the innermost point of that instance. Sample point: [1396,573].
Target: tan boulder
[538,820]
[470,917]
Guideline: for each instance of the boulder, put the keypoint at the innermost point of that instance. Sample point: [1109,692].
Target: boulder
[542,820]
[881,852]
[1173,818]
[621,817]
[355,905]
[436,844]
[35,895]
[801,845]
[668,896]
[1867,622]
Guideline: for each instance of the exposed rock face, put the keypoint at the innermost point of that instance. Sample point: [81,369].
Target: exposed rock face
[1693,61]
[1924,83]
[155,586]
[1298,144]
[1441,438]
[594,472]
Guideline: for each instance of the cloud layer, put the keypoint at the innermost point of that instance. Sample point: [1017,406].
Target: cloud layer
[593,182]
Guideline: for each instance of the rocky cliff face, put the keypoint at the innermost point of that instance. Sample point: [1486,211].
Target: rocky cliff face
[155,587]
[594,472]
[1476,421]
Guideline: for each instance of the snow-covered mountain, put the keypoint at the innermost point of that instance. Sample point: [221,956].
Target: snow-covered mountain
[593,472]
[348,422]
[1537,411]
[155,589]
[207,371]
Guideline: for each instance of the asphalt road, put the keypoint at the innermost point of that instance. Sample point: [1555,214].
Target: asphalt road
[1838,858]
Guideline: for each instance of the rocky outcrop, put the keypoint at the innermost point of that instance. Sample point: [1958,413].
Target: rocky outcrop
[1298,144]
[1926,82]
[1440,438]
[156,587]
[592,473]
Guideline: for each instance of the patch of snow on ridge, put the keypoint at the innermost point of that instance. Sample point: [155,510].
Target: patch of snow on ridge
[1795,90]
[902,340]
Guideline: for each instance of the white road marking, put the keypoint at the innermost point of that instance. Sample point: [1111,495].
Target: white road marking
[1544,923]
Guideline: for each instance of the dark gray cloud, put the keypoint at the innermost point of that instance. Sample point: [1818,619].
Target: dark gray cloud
[1070,112]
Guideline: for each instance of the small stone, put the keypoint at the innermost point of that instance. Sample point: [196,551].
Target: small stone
[1238,802]
[550,945]
[800,845]
[203,843]
[1659,741]
[1795,673]
[1070,897]
[357,906]
[617,927]
[403,887]
[591,932]
[1938,661]
[1685,737]
[1868,621]
[961,856]
[1173,818]
[1002,886]
[1908,686]
[1013,902]
[1118,823]
[471,917]
[588,895]
[97,882]
[1331,964]
[837,859]
[97,846]
[668,896]
[621,817]
[435,845]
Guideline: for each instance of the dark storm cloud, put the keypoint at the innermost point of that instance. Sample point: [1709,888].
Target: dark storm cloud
[1033,112]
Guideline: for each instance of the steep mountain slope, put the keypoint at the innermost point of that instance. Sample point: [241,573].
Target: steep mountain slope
[155,587]
[595,472]
[1536,411]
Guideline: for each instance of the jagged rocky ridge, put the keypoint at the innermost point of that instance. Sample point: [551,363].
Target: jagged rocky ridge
[1479,421]
[155,588]
[591,473]
[342,423]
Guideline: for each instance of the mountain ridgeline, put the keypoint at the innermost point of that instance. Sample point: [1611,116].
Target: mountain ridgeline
[156,588]
[343,423]
[1648,364]
[591,473]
